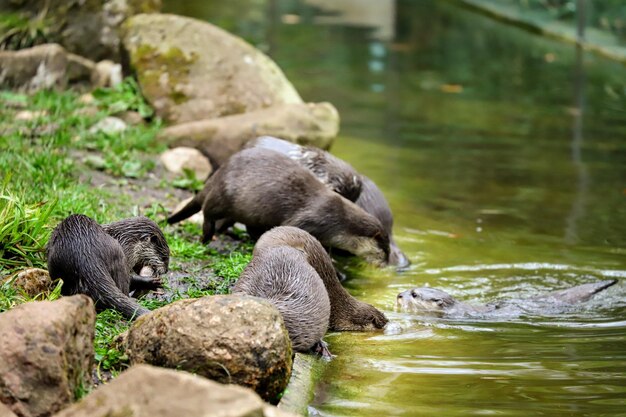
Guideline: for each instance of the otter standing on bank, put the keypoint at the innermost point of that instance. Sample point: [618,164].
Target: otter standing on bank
[331,171]
[441,303]
[263,188]
[283,276]
[346,312]
[374,202]
[92,262]
[340,177]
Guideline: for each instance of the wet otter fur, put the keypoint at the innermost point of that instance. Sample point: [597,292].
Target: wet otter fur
[340,177]
[346,312]
[263,188]
[439,302]
[92,262]
[373,201]
[283,276]
[331,171]
[144,245]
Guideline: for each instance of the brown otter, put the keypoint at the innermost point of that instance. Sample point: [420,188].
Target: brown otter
[92,262]
[441,303]
[331,171]
[346,312]
[283,276]
[373,201]
[340,177]
[146,250]
[263,188]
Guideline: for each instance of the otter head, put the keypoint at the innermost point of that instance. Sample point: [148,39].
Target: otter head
[147,252]
[359,317]
[425,299]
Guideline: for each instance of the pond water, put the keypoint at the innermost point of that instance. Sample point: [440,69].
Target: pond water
[503,157]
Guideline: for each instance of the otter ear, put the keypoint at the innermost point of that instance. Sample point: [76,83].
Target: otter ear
[439,301]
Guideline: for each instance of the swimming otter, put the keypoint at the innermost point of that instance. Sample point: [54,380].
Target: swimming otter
[331,171]
[374,202]
[340,177]
[92,262]
[262,188]
[346,312]
[442,303]
[283,276]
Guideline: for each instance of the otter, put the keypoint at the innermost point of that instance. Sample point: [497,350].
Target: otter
[283,276]
[331,171]
[346,312]
[146,250]
[92,262]
[262,188]
[373,202]
[340,177]
[441,303]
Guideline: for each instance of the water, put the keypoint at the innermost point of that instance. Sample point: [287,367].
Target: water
[503,158]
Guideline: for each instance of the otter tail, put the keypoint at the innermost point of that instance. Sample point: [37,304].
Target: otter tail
[110,296]
[191,208]
[583,292]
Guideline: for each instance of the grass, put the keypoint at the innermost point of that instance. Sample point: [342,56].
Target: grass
[47,141]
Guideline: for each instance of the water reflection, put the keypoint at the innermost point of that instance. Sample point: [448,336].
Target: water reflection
[500,189]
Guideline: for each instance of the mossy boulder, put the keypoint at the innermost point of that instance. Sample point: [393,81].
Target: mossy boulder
[191,70]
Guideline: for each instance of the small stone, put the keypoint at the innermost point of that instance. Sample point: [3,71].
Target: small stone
[87,98]
[109,125]
[106,74]
[132,118]
[33,281]
[177,159]
[95,162]
[30,115]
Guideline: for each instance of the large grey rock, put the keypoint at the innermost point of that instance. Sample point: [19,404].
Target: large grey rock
[146,391]
[88,28]
[38,68]
[315,124]
[231,339]
[46,354]
[191,70]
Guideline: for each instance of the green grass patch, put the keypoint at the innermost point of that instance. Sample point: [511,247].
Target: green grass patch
[49,146]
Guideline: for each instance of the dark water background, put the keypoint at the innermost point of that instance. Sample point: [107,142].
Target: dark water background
[503,156]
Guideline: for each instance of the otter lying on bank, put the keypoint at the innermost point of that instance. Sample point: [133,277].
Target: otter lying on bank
[340,177]
[441,303]
[91,261]
[262,188]
[346,312]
